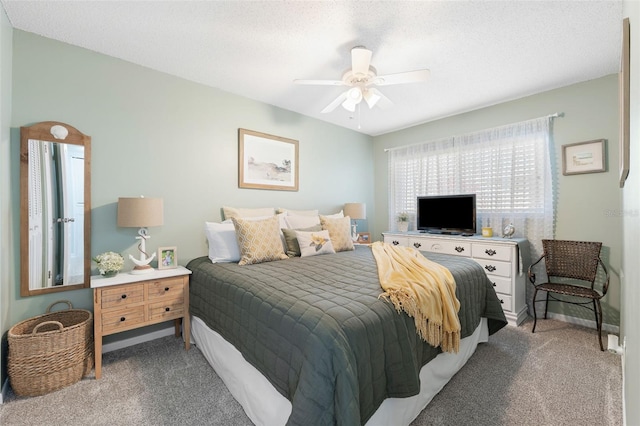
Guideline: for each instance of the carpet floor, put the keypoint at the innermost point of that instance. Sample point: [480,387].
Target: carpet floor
[557,376]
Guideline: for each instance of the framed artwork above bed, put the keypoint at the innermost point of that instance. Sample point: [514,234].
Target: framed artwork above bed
[267,161]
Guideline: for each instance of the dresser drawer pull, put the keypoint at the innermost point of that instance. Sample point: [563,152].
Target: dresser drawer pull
[417,245]
[166,289]
[395,242]
[122,319]
[490,268]
[459,249]
[494,284]
[502,301]
[167,309]
[124,296]
[490,252]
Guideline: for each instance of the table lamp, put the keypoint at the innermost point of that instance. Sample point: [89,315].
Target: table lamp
[140,212]
[355,211]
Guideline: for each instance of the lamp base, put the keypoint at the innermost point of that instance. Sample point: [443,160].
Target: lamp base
[144,269]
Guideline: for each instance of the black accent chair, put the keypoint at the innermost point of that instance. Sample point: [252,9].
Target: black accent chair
[571,260]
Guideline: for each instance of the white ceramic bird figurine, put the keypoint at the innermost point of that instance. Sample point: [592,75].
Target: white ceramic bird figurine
[508,231]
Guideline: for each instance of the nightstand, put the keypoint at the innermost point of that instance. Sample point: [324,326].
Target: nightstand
[129,301]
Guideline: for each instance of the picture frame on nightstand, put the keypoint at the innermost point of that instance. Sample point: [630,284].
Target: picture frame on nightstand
[167,257]
[364,238]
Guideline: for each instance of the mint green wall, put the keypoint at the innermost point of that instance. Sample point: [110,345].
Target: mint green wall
[588,205]
[9,258]
[157,135]
[630,271]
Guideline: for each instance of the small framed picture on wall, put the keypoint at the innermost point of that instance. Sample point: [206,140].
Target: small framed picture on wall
[167,257]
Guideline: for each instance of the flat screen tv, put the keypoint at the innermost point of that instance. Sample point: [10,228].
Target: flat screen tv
[447,214]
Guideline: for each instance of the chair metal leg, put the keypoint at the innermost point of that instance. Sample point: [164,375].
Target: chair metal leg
[546,306]
[598,310]
[535,318]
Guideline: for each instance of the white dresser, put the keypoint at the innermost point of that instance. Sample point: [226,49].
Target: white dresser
[499,257]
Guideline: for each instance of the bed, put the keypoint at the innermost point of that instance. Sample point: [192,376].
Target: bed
[318,346]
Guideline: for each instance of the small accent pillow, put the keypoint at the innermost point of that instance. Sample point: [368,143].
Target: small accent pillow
[291,241]
[314,243]
[230,212]
[259,240]
[297,212]
[335,215]
[339,232]
[223,244]
[297,222]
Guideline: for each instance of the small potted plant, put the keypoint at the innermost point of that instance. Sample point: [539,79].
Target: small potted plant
[109,263]
[403,222]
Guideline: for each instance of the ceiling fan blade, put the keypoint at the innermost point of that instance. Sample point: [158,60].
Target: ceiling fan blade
[402,77]
[360,60]
[337,101]
[383,102]
[320,82]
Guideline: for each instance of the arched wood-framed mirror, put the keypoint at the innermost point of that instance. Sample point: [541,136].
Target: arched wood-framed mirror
[55,208]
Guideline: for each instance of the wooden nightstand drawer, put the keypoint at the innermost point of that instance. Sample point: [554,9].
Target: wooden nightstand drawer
[169,287]
[122,296]
[122,319]
[456,248]
[500,284]
[505,300]
[494,252]
[167,309]
[492,267]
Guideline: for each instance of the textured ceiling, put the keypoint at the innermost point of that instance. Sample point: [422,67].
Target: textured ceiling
[479,52]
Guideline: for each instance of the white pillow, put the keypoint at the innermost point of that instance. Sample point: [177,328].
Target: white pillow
[297,212]
[223,244]
[314,243]
[335,215]
[295,222]
[244,213]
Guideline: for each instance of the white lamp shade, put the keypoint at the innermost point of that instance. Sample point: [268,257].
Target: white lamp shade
[140,212]
[355,210]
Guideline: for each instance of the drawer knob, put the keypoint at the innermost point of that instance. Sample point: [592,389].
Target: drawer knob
[501,301]
[167,309]
[459,249]
[124,296]
[490,268]
[122,319]
[395,242]
[166,289]
[417,245]
[490,252]
[494,284]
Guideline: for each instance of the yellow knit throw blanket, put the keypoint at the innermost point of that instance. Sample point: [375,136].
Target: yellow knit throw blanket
[424,289]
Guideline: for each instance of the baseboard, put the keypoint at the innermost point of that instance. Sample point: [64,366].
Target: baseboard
[125,343]
[5,389]
[609,328]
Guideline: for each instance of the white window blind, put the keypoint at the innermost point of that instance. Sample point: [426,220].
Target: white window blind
[508,168]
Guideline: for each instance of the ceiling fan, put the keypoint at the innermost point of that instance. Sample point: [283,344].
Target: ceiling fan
[361,79]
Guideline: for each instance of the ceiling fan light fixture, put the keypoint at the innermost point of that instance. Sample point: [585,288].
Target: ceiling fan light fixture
[371,97]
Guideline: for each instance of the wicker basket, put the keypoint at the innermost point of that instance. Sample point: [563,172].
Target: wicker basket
[50,351]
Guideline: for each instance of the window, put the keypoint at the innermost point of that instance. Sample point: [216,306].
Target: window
[508,168]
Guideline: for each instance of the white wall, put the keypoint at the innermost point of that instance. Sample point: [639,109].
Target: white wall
[630,271]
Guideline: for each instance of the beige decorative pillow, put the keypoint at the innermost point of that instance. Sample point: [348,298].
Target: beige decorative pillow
[297,222]
[230,212]
[291,240]
[314,243]
[259,240]
[339,232]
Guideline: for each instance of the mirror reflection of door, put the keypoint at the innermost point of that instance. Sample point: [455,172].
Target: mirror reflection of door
[56,214]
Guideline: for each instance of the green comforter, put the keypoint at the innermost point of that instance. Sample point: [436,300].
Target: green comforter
[316,329]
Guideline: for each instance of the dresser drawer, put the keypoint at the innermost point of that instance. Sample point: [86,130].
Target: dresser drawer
[122,319]
[170,287]
[456,248]
[492,267]
[167,309]
[500,284]
[505,301]
[122,295]
[396,240]
[494,252]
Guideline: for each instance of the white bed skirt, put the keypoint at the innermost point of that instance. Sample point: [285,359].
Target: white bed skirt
[264,405]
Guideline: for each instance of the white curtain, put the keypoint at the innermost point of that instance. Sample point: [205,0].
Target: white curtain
[507,167]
